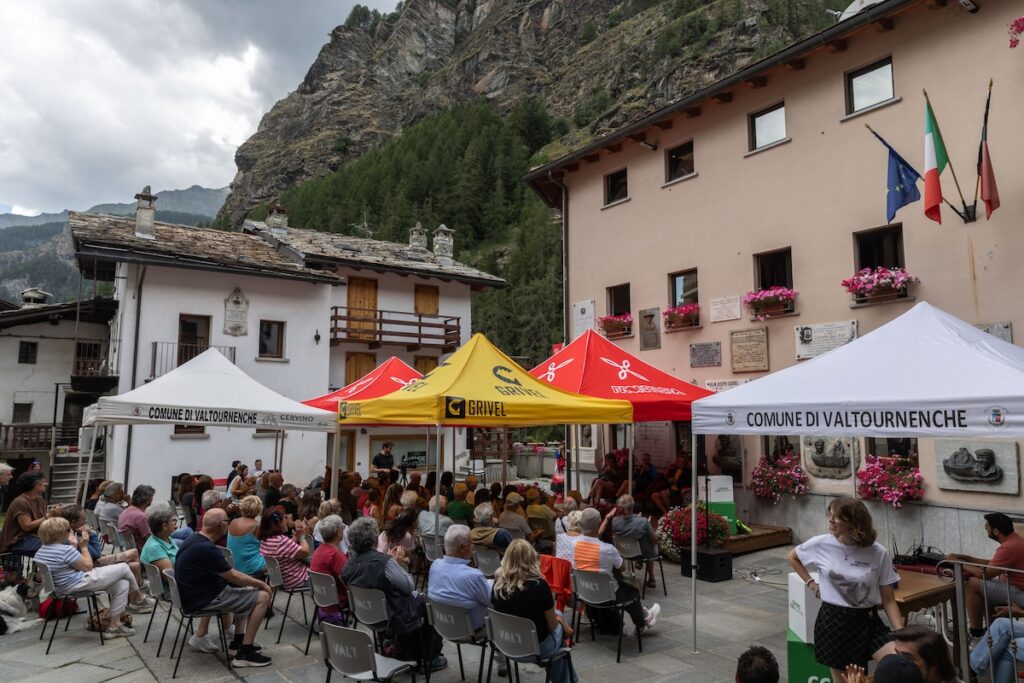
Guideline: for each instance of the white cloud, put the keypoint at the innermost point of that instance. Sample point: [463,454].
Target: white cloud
[100,99]
[24,211]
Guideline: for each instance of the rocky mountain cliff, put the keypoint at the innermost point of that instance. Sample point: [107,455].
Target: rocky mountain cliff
[595,63]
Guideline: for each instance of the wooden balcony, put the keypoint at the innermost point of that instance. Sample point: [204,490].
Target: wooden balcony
[377,328]
[36,436]
[166,356]
[93,370]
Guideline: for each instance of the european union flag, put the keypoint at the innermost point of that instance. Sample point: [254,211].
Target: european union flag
[902,182]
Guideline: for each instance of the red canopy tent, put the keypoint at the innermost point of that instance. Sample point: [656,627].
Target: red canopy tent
[593,366]
[391,375]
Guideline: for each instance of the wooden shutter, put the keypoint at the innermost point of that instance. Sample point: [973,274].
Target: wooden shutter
[427,300]
[357,365]
[424,364]
[362,308]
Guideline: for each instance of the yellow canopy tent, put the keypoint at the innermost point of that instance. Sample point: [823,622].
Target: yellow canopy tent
[479,386]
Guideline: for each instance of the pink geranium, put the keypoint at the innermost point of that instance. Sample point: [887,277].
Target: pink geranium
[891,480]
[1016,29]
[870,280]
[785,476]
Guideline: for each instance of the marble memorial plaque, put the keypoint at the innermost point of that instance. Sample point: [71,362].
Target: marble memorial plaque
[980,466]
[1003,330]
[725,308]
[582,317]
[650,329]
[749,350]
[828,457]
[814,340]
[717,385]
[236,314]
[706,355]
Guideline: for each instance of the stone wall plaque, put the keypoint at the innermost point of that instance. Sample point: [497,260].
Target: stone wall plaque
[749,350]
[236,314]
[814,340]
[828,457]
[650,329]
[981,466]
[717,385]
[1003,330]
[725,308]
[582,317]
[706,355]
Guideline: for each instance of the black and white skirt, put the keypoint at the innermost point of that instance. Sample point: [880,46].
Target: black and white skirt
[848,635]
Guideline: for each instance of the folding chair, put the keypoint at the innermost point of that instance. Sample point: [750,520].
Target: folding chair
[630,550]
[350,652]
[126,541]
[325,594]
[212,613]
[516,639]
[61,599]
[107,529]
[487,560]
[433,550]
[455,625]
[370,608]
[597,590]
[156,589]
[228,556]
[276,581]
[92,521]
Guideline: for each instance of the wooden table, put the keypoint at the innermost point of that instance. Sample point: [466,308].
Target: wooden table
[921,591]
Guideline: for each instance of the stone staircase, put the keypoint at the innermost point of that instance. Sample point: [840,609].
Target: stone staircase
[65,471]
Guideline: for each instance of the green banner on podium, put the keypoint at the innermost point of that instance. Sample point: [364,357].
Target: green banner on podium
[802,666]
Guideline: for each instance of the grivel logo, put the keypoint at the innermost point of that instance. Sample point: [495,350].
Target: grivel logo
[500,371]
[455,407]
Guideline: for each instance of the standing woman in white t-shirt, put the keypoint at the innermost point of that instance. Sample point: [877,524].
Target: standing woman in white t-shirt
[857,577]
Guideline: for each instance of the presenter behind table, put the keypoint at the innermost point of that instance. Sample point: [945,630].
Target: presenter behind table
[856,577]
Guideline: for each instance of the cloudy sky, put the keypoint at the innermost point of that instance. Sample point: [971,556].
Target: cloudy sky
[101,97]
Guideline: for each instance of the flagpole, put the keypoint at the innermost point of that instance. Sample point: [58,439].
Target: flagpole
[977,183]
[949,160]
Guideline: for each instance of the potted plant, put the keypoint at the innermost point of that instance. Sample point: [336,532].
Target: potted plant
[891,480]
[616,325]
[771,301]
[1016,29]
[681,316]
[880,284]
[770,480]
[674,531]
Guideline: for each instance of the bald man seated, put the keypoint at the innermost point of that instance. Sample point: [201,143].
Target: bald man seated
[206,582]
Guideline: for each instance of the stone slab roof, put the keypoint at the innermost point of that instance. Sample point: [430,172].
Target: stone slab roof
[102,239]
[313,246]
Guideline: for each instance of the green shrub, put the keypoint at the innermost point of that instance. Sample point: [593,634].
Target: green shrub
[595,105]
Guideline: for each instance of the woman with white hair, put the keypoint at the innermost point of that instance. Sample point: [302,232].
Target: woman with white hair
[329,558]
[520,590]
[484,532]
[565,544]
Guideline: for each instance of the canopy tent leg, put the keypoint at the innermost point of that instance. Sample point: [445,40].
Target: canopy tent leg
[693,538]
[853,467]
[88,469]
[437,481]
[280,458]
[335,462]
[632,456]
[579,436]
[568,464]
[78,474]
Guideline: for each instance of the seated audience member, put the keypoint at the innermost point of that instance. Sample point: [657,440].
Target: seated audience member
[516,525]
[454,582]
[347,500]
[677,483]
[204,484]
[205,581]
[1001,633]
[392,503]
[496,501]
[89,489]
[25,515]
[893,668]
[565,544]
[539,515]
[372,507]
[132,521]
[1009,555]
[257,468]
[236,466]
[928,651]
[329,558]
[274,483]
[594,555]
[482,496]
[111,504]
[398,533]
[160,549]
[414,638]
[471,483]
[72,570]
[309,506]
[437,508]
[290,500]
[210,500]
[76,518]
[644,475]
[410,501]
[607,482]
[459,509]
[520,590]
[243,484]
[445,489]
[97,493]
[565,507]
[327,508]
[289,550]
[485,532]
[637,528]
[757,665]
[241,538]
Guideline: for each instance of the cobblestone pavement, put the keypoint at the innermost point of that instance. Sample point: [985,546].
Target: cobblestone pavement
[733,615]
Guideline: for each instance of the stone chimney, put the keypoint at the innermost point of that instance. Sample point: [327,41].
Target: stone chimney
[145,214]
[277,219]
[418,237]
[33,297]
[444,245]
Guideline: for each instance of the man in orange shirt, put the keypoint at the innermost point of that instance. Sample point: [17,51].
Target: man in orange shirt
[1001,590]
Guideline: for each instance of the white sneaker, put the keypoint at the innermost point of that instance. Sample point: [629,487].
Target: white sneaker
[119,631]
[652,615]
[229,633]
[142,606]
[204,644]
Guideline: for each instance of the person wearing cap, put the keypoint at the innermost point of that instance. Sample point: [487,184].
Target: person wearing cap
[539,515]
[459,509]
[894,668]
[471,483]
[425,522]
[991,579]
[511,521]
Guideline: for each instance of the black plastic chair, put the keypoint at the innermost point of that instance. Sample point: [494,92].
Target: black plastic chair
[212,613]
[59,600]
[631,551]
[516,639]
[597,590]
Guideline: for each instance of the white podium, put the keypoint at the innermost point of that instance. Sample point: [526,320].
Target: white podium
[803,608]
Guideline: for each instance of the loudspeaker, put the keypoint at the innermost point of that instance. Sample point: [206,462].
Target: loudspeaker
[713,565]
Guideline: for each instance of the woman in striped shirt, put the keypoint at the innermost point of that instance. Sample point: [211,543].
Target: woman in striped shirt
[290,551]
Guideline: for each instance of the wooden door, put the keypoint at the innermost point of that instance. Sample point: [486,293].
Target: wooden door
[358,365]
[362,308]
[426,300]
[424,364]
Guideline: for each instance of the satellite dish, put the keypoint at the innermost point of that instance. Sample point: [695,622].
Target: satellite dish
[856,7]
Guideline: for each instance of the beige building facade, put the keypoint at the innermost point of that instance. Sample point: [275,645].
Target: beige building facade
[786,186]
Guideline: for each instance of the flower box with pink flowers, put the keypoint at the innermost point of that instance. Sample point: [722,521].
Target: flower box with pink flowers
[764,303]
[616,325]
[682,316]
[880,284]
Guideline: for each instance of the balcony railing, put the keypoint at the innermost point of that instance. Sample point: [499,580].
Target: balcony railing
[169,355]
[36,436]
[92,359]
[412,330]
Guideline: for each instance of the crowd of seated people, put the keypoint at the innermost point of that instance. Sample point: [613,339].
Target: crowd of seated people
[651,489]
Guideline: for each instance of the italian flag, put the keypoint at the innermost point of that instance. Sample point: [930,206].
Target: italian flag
[935,161]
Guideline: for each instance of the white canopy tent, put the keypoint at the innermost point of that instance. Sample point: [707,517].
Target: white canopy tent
[924,374]
[208,390]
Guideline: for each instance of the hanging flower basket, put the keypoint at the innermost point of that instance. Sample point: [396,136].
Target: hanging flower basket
[674,531]
[682,316]
[880,284]
[764,303]
[770,481]
[1016,29]
[616,325]
[890,479]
